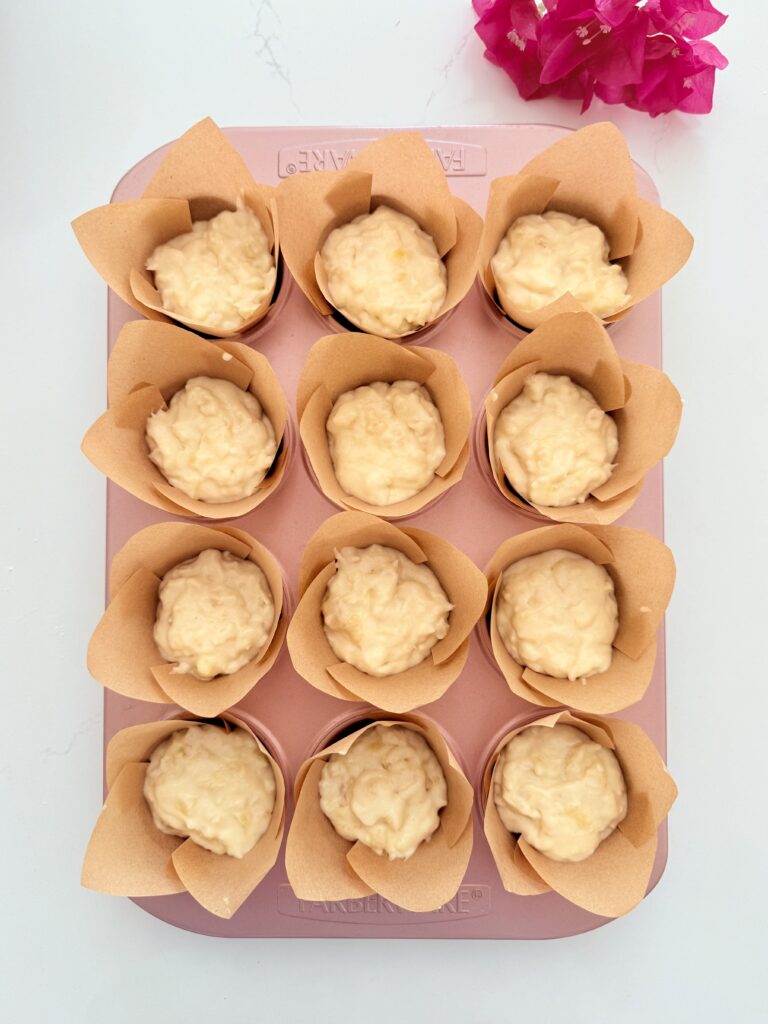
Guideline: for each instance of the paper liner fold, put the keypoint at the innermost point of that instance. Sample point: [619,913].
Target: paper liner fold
[588,174]
[310,651]
[323,866]
[149,363]
[128,856]
[397,170]
[643,572]
[615,878]
[642,400]
[342,362]
[405,173]
[200,175]
[663,247]
[125,824]
[122,654]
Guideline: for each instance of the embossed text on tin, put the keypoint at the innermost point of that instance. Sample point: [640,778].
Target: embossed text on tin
[470,901]
[456,159]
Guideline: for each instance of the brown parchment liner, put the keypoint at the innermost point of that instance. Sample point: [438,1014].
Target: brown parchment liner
[642,400]
[149,363]
[615,878]
[122,654]
[587,174]
[310,651]
[397,170]
[323,866]
[342,362]
[200,175]
[128,855]
[643,572]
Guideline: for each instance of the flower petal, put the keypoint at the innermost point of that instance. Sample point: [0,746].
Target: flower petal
[509,33]
[700,89]
[615,12]
[692,19]
[619,61]
[569,53]
[709,54]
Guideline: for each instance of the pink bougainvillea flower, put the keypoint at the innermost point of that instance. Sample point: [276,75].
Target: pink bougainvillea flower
[609,52]
[677,76]
[706,59]
[650,56]
[692,19]
[509,33]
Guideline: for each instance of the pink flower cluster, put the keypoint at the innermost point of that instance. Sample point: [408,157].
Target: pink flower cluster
[650,55]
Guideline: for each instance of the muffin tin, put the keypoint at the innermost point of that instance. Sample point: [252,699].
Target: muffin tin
[294,719]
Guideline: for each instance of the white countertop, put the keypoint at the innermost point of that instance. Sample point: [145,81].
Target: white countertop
[90,87]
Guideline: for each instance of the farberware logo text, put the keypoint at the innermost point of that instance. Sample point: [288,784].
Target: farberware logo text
[456,159]
[469,901]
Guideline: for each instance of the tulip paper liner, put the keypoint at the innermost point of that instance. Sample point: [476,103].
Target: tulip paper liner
[642,400]
[614,879]
[149,363]
[321,865]
[308,646]
[397,170]
[128,855]
[643,574]
[587,174]
[200,175]
[342,362]
[122,654]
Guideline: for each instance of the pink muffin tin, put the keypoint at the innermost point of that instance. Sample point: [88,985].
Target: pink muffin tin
[293,718]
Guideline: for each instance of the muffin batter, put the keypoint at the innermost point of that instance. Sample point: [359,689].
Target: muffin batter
[218,274]
[385,792]
[214,614]
[543,256]
[214,442]
[554,442]
[385,441]
[384,273]
[382,612]
[214,786]
[556,612]
[560,790]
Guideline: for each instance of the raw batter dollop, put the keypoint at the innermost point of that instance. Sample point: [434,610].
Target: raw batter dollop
[214,786]
[385,441]
[560,790]
[384,273]
[385,792]
[214,614]
[382,612]
[554,442]
[214,442]
[543,256]
[218,274]
[556,612]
